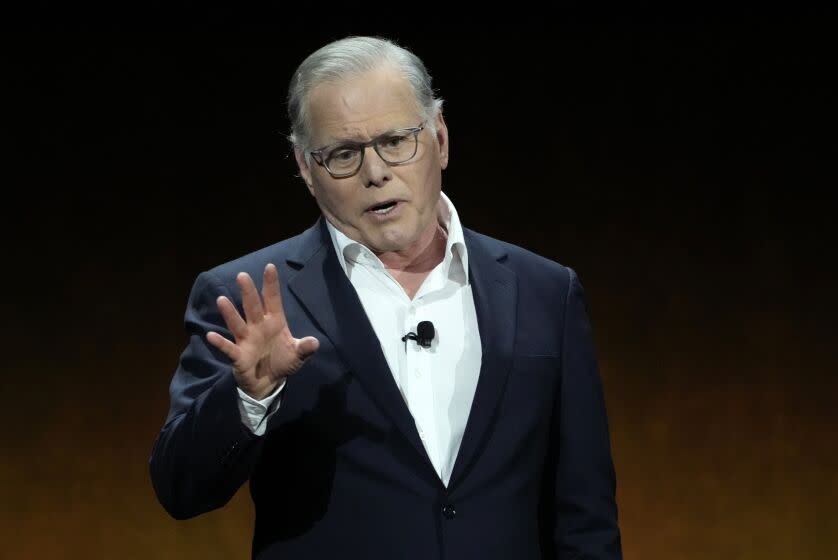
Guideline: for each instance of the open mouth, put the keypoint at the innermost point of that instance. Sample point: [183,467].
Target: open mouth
[384,207]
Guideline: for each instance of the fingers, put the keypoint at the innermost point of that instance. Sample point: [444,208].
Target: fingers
[271,293]
[231,317]
[251,302]
[231,350]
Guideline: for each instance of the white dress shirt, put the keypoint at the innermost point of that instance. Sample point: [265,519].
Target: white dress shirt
[437,383]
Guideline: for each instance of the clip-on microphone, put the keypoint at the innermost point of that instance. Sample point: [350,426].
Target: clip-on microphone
[423,336]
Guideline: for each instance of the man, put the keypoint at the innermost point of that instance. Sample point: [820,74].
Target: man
[479,434]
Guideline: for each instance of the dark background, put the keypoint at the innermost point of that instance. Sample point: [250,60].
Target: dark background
[684,170]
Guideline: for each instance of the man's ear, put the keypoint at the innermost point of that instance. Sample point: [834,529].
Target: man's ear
[305,170]
[442,139]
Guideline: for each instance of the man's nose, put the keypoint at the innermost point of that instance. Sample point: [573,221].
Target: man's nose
[374,171]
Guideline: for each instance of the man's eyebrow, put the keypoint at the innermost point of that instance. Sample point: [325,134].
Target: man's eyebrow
[344,140]
[357,140]
[334,144]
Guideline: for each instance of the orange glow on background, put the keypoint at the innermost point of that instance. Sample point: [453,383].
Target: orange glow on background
[684,168]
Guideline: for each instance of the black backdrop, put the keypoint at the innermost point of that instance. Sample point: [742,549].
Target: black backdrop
[683,170]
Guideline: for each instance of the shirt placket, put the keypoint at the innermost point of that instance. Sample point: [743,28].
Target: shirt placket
[420,393]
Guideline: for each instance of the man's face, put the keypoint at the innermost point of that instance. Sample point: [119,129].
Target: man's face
[358,110]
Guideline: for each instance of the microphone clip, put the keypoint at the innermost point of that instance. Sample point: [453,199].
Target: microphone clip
[424,337]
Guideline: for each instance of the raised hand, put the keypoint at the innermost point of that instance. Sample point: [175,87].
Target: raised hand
[264,351]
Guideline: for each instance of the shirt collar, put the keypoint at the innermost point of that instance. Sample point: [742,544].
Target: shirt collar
[351,252]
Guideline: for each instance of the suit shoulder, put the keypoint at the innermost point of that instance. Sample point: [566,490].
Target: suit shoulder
[523,262]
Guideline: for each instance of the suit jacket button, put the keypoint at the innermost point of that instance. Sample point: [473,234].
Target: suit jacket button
[448,511]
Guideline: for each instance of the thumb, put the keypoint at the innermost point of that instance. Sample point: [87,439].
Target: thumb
[307,346]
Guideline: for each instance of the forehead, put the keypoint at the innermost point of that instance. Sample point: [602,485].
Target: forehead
[362,106]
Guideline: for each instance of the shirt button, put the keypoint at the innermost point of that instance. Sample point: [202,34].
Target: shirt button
[417,373]
[421,434]
[448,511]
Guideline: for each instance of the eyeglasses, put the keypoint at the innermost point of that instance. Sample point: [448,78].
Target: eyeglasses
[345,159]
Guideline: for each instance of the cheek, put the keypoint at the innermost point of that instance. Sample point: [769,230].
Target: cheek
[431,183]
[424,181]
[334,200]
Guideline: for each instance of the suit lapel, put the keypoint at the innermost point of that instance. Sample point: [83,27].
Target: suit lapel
[327,294]
[495,290]
[323,289]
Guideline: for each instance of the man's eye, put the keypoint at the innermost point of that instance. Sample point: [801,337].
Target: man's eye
[345,154]
[393,141]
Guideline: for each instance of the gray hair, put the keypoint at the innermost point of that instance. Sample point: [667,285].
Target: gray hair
[345,58]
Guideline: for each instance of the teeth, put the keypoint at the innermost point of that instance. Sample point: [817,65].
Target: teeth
[385,209]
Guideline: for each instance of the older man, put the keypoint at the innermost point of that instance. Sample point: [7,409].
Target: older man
[397,386]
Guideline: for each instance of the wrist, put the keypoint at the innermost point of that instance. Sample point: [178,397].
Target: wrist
[263,393]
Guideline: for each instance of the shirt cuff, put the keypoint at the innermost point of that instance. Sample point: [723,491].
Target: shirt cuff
[255,414]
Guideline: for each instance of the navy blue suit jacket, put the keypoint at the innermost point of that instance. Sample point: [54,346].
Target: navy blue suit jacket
[341,471]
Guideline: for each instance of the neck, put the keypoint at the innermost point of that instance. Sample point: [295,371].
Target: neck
[422,257]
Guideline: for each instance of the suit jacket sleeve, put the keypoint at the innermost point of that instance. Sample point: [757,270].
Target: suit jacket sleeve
[586,511]
[204,453]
